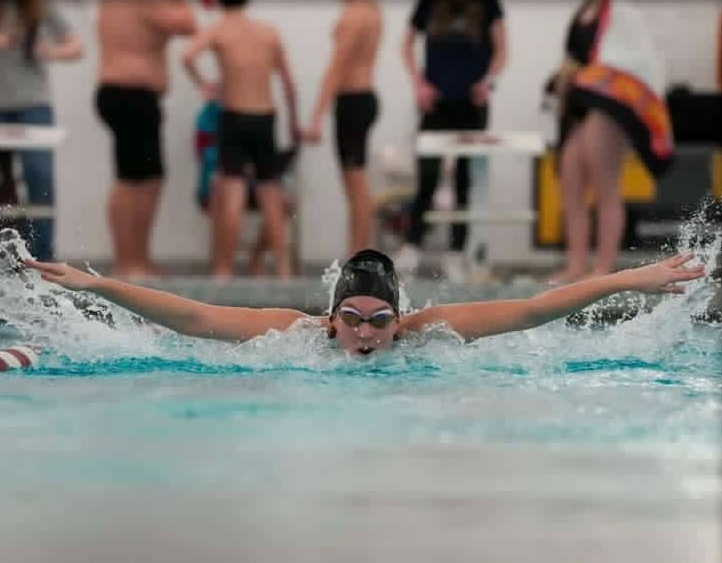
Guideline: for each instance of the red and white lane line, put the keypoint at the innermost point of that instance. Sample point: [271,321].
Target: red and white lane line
[17,357]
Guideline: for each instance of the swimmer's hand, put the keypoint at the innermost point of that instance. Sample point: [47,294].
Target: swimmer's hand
[64,275]
[665,276]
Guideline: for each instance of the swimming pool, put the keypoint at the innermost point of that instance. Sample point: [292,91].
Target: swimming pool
[557,444]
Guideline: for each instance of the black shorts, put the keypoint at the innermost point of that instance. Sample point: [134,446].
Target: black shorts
[245,138]
[355,113]
[134,116]
[455,115]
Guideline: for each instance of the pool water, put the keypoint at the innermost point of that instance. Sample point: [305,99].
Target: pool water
[561,443]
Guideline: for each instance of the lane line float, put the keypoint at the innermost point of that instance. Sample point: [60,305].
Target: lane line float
[17,357]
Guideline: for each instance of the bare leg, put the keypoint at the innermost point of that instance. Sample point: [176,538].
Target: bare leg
[148,203]
[576,215]
[255,258]
[227,205]
[606,145]
[272,202]
[360,208]
[131,215]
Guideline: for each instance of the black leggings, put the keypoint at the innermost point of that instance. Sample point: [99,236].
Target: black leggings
[457,115]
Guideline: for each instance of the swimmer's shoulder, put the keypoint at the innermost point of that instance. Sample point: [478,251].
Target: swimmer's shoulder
[321,321]
[417,321]
[410,322]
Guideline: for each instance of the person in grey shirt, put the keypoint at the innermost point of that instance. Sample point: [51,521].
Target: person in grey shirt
[32,34]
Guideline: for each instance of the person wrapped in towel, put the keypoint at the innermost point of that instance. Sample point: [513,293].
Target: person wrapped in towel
[610,92]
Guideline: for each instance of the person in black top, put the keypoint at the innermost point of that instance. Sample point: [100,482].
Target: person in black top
[465,51]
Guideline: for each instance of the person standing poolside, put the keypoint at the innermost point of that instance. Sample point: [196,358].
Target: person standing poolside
[365,315]
[465,52]
[33,33]
[133,77]
[249,54]
[611,91]
[207,153]
[350,81]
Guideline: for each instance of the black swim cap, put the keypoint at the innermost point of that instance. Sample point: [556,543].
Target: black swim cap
[368,272]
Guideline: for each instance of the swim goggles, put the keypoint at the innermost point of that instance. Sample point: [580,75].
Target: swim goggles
[352,318]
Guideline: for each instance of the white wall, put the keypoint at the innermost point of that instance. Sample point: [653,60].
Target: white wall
[685,35]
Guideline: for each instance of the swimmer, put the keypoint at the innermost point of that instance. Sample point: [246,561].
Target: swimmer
[365,315]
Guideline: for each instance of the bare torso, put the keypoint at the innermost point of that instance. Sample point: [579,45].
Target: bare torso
[363,17]
[248,54]
[134,36]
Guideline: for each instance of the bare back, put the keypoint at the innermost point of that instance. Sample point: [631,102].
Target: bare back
[248,54]
[134,36]
[361,19]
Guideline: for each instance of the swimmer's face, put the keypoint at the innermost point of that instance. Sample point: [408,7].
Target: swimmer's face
[364,324]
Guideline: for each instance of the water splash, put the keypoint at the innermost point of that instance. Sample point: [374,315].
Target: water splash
[671,315]
[80,324]
[81,327]
[330,279]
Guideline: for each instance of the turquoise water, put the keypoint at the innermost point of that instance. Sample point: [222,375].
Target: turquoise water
[556,430]
[118,416]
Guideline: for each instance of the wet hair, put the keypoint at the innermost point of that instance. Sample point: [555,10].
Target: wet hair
[368,272]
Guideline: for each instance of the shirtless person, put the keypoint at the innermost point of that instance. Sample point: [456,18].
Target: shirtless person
[249,53]
[350,80]
[133,36]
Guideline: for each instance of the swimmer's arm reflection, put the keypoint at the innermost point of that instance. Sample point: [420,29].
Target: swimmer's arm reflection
[474,320]
[186,316]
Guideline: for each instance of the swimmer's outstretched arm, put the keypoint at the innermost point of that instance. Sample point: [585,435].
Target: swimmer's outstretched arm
[185,316]
[485,318]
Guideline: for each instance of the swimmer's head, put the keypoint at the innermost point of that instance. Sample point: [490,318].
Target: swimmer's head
[365,310]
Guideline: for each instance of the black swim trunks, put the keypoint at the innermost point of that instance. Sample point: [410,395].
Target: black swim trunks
[134,116]
[245,138]
[355,114]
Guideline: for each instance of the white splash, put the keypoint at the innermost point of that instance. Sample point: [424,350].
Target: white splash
[84,327]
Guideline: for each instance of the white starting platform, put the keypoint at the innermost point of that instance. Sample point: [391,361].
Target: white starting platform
[489,204]
[27,137]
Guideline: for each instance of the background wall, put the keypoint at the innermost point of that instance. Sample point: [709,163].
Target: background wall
[685,34]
